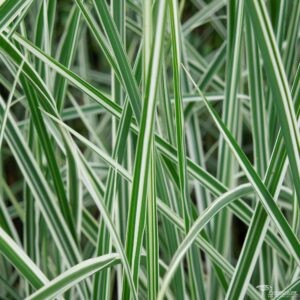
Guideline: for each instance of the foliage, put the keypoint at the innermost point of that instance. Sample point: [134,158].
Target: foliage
[149,149]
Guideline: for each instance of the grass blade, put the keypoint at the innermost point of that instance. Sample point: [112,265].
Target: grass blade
[74,275]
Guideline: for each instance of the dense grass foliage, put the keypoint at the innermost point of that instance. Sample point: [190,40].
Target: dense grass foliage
[149,149]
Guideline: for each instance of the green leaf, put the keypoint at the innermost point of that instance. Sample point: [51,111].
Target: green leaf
[74,275]
[21,261]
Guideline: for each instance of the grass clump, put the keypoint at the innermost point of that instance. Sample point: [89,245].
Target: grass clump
[149,149]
